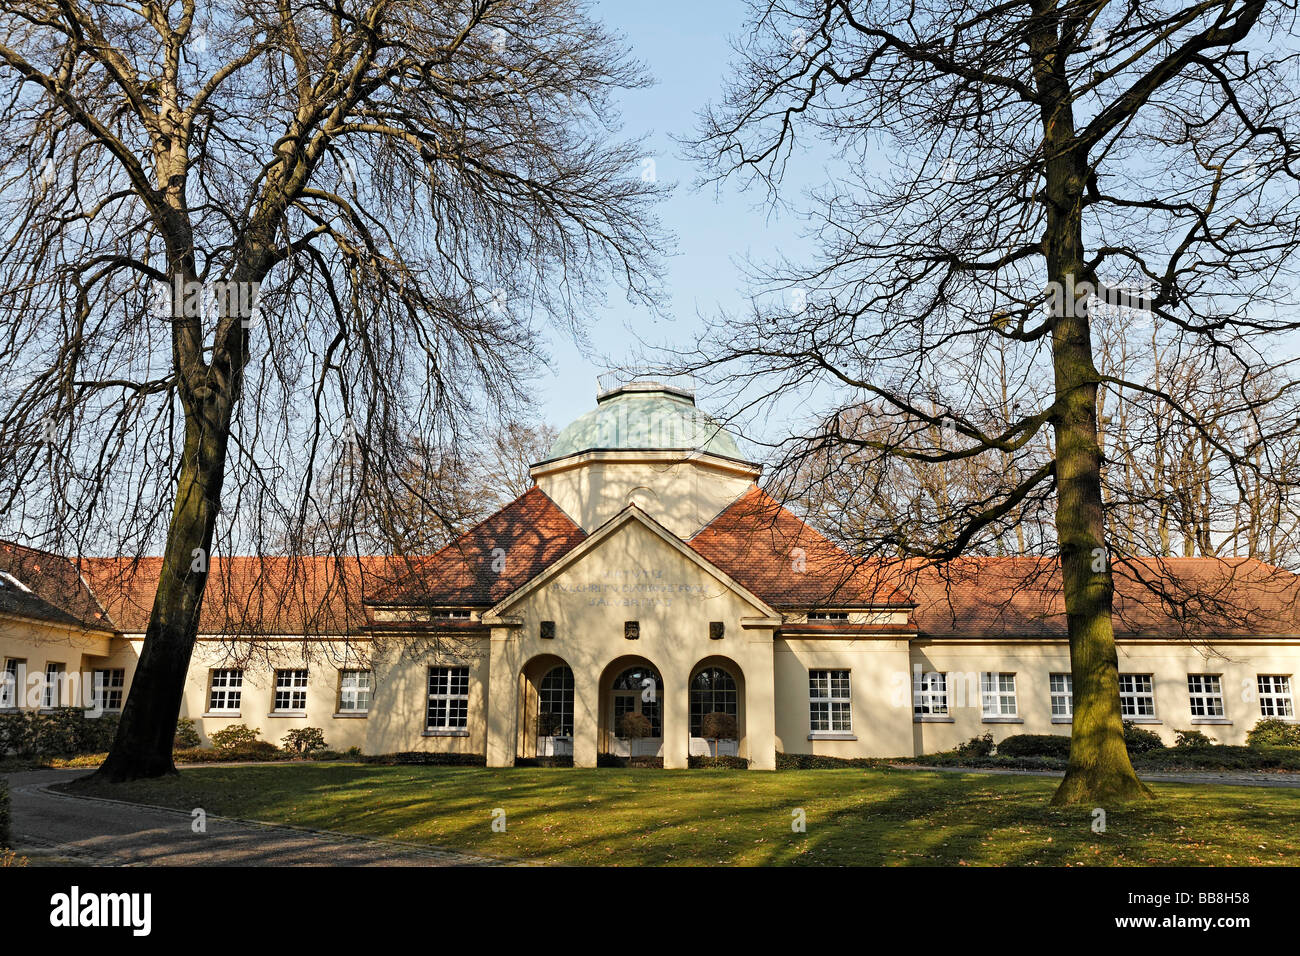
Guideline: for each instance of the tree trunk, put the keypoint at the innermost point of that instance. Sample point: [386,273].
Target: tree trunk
[1099,770]
[143,744]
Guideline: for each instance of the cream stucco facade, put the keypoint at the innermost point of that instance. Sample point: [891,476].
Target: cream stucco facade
[650,609]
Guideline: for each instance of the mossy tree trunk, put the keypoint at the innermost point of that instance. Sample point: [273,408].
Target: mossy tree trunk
[1099,769]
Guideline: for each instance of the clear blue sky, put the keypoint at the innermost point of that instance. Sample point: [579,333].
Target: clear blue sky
[685,48]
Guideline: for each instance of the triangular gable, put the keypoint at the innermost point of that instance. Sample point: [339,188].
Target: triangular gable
[631,513]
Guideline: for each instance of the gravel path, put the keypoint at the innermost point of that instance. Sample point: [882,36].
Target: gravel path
[57,828]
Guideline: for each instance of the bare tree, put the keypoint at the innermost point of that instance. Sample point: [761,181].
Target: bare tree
[246,235]
[420,504]
[1004,167]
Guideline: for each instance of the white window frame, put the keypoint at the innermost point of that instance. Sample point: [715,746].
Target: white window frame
[290,694]
[1060,689]
[453,690]
[453,614]
[997,693]
[831,689]
[113,685]
[1275,700]
[362,688]
[1205,692]
[52,688]
[231,690]
[1142,688]
[11,680]
[828,617]
[930,691]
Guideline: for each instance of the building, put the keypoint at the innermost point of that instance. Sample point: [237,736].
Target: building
[646,573]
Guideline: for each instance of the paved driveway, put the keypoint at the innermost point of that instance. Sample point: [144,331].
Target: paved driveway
[56,828]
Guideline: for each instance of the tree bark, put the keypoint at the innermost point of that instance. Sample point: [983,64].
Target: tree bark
[143,744]
[1099,769]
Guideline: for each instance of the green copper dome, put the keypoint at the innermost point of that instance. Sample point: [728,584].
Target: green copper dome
[645,416]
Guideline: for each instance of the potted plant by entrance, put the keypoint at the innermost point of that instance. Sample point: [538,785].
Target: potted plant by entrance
[634,727]
[718,726]
[548,725]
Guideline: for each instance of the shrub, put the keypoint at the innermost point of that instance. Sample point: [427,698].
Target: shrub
[1191,740]
[187,734]
[718,763]
[976,747]
[352,753]
[718,726]
[1220,757]
[235,737]
[562,760]
[613,760]
[260,750]
[1272,732]
[1035,745]
[4,814]
[62,732]
[786,761]
[304,740]
[427,759]
[18,734]
[1139,740]
[549,724]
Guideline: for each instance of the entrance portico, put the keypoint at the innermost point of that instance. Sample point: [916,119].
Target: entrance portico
[647,628]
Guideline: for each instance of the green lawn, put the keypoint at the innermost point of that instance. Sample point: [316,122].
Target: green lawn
[854,817]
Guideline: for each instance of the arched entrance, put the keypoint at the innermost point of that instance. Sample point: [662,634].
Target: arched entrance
[546,708]
[717,708]
[631,709]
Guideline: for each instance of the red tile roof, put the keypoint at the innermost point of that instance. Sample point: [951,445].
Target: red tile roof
[501,554]
[249,595]
[989,597]
[786,563]
[55,591]
[757,542]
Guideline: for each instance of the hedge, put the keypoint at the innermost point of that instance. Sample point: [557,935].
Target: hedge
[427,758]
[786,761]
[1219,757]
[1035,745]
[722,762]
[612,760]
[1273,733]
[565,760]
[63,732]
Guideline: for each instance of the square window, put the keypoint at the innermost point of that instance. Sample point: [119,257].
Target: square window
[110,685]
[998,694]
[448,706]
[829,702]
[52,694]
[1205,695]
[11,679]
[1061,688]
[226,689]
[930,695]
[354,691]
[1136,696]
[291,690]
[1275,696]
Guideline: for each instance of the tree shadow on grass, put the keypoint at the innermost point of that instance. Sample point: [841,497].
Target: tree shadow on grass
[852,817]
